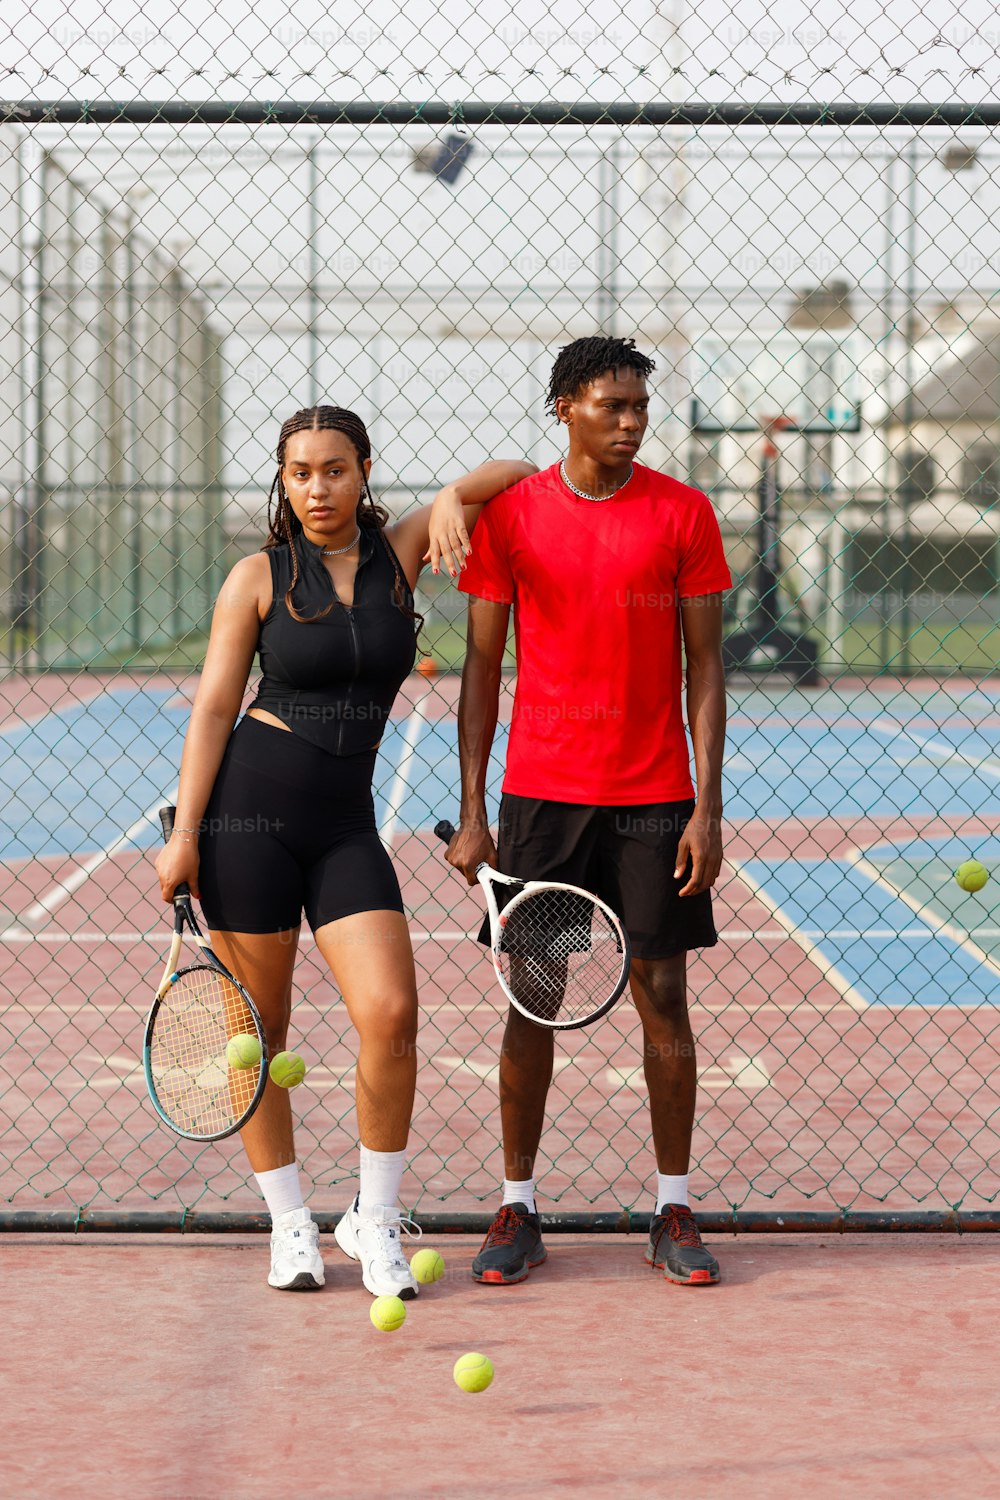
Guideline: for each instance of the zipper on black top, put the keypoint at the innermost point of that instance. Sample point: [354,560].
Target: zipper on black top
[355,646]
[349,611]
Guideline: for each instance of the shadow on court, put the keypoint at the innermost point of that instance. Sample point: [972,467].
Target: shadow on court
[162,1367]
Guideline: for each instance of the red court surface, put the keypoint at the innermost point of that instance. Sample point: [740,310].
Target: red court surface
[821,1365]
[804,1102]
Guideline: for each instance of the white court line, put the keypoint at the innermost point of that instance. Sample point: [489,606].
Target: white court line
[486,1072]
[401,780]
[940,927]
[454,935]
[829,971]
[64,888]
[53,711]
[319,1077]
[161,935]
[72,1008]
[431,1007]
[891,932]
[938,749]
[744,1072]
[127,1070]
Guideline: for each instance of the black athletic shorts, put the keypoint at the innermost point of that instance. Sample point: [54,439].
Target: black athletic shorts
[625,855]
[288,826]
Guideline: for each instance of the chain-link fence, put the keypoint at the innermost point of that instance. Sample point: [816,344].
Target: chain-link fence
[818,285]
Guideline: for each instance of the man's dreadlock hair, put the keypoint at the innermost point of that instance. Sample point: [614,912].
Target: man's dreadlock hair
[586,360]
[283,525]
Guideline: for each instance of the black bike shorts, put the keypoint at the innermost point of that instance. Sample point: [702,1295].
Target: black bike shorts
[289,826]
[625,855]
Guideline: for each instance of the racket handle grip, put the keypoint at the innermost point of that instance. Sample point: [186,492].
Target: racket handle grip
[445,831]
[167,815]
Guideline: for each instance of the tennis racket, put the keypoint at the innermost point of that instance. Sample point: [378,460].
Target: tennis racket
[561,955]
[195,1013]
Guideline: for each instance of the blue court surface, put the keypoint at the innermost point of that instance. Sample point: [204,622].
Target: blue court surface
[892,922]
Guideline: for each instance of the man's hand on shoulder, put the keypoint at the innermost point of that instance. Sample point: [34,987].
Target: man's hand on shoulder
[701,845]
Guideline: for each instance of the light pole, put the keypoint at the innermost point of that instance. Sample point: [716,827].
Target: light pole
[30,518]
[607,240]
[956,157]
[907,492]
[133,196]
[313,273]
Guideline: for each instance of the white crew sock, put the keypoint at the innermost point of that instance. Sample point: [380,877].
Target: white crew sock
[670,1190]
[381,1177]
[520,1192]
[282,1190]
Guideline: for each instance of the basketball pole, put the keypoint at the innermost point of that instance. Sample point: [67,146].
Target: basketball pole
[764,644]
[769,523]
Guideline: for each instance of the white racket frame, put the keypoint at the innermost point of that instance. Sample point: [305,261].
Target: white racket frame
[489,878]
[184,917]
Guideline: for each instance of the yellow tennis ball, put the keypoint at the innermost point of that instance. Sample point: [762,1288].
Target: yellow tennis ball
[473,1372]
[427,1266]
[388,1313]
[287,1070]
[971,875]
[243,1051]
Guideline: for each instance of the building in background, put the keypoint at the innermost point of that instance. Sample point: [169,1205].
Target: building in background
[321,266]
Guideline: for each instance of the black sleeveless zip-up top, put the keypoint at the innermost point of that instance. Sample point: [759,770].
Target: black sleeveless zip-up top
[333,681]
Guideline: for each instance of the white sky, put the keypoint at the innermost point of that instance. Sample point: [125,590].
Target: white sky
[494,49]
[523,227]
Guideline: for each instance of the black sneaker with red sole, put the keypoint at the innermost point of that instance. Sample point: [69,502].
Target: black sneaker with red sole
[675,1247]
[513,1245]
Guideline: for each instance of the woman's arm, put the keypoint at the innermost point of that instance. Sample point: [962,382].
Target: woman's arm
[231,647]
[439,532]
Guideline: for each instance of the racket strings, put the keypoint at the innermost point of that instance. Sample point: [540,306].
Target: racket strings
[194,1084]
[560,954]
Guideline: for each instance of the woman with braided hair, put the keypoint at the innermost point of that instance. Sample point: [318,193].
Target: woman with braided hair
[276,815]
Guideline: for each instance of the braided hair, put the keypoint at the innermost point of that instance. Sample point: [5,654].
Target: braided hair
[283,525]
[586,360]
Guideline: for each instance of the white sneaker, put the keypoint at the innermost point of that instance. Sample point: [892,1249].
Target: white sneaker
[296,1264]
[375,1240]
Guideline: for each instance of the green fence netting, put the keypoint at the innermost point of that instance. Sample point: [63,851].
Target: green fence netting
[204,228]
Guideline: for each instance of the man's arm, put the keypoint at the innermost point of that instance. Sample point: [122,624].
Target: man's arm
[478,707]
[701,623]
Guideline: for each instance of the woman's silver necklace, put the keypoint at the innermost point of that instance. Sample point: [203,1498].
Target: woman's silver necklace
[583,493]
[336,551]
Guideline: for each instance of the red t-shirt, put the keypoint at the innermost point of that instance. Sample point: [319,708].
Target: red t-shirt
[595,587]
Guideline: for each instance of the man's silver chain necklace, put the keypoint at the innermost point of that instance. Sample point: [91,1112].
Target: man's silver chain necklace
[597,499]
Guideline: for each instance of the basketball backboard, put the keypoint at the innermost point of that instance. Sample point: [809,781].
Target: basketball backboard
[742,382]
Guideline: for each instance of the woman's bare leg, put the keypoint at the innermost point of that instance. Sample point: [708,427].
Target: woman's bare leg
[263,963]
[371,959]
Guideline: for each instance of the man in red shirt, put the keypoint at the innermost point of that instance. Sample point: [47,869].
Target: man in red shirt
[610,566]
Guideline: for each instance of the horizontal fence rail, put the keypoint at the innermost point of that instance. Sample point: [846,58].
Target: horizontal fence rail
[502,112]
